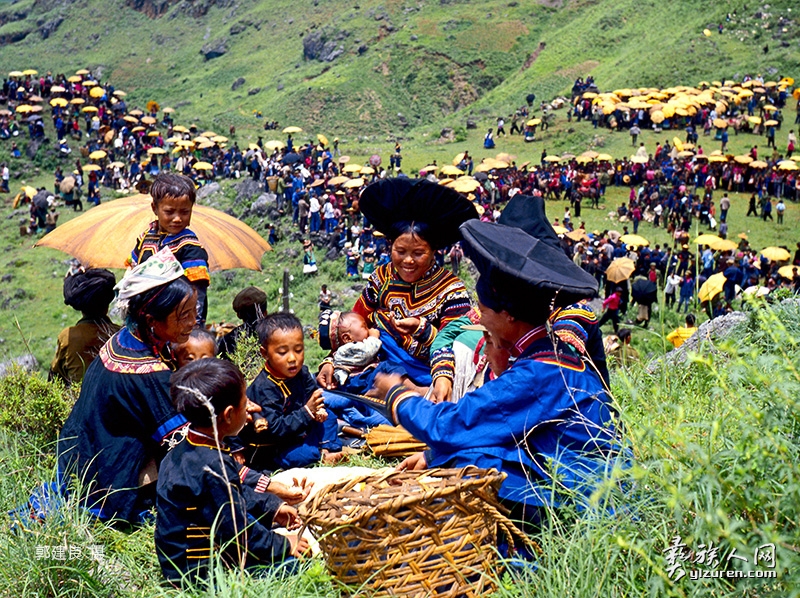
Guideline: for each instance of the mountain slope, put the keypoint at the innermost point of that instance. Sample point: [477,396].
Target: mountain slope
[388,66]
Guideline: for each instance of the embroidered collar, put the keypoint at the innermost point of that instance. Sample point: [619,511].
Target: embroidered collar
[527,340]
[200,439]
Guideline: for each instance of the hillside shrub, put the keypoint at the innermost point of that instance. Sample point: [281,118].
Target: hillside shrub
[33,406]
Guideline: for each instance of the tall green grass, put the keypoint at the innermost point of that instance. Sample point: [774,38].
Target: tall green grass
[715,463]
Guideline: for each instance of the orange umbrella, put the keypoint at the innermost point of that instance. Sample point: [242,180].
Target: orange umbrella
[104,236]
[620,269]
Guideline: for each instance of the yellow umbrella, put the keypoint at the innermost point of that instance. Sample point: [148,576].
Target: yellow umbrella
[787,165]
[429,168]
[620,269]
[97,92]
[352,168]
[677,143]
[746,93]
[458,158]
[117,165]
[353,183]
[483,168]
[533,122]
[74,79]
[89,109]
[743,159]
[770,108]
[30,72]
[184,143]
[202,166]
[657,117]
[639,159]
[787,271]
[98,155]
[720,123]
[153,134]
[754,119]
[24,108]
[758,164]
[15,74]
[775,254]
[560,230]
[368,170]
[451,170]
[180,129]
[82,72]
[711,287]
[77,101]
[274,144]
[770,123]
[130,119]
[120,94]
[148,120]
[707,239]
[103,236]
[591,154]
[685,154]
[156,151]
[205,145]
[92,168]
[322,139]
[137,129]
[583,159]
[636,240]
[338,180]
[605,158]
[30,191]
[57,89]
[723,245]
[168,110]
[219,139]
[293,129]
[201,139]
[577,235]
[464,184]
[445,181]
[552,158]
[707,32]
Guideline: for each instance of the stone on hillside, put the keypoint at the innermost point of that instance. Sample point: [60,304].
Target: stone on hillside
[247,189]
[238,28]
[26,362]
[31,150]
[47,29]
[253,91]
[208,190]
[260,207]
[447,134]
[471,124]
[709,333]
[215,49]
[324,44]
[238,83]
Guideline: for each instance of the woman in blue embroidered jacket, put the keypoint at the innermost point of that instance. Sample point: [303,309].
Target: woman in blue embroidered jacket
[112,438]
[546,421]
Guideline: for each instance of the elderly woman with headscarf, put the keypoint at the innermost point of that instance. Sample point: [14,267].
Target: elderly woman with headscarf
[89,292]
[112,440]
[412,298]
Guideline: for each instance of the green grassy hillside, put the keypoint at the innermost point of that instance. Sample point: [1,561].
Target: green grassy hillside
[432,62]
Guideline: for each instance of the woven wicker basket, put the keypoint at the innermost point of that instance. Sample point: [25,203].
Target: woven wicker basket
[415,533]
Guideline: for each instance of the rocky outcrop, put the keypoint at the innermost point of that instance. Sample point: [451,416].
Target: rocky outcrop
[215,49]
[194,8]
[47,28]
[325,44]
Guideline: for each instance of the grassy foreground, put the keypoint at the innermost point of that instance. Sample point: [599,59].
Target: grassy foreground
[716,465]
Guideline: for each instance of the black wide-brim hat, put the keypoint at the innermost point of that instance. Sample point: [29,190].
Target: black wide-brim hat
[524,260]
[393,205]
[527,212]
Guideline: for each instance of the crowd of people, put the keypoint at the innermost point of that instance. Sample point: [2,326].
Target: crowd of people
[516,381]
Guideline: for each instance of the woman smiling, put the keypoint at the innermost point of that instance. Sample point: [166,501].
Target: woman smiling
[411,298]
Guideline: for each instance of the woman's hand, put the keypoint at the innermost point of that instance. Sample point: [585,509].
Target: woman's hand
[383,384]
[415,462]
[293,494]
[287,517]
[325,377]
[442,390]
[252,408]
[406,325]
[298,545]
